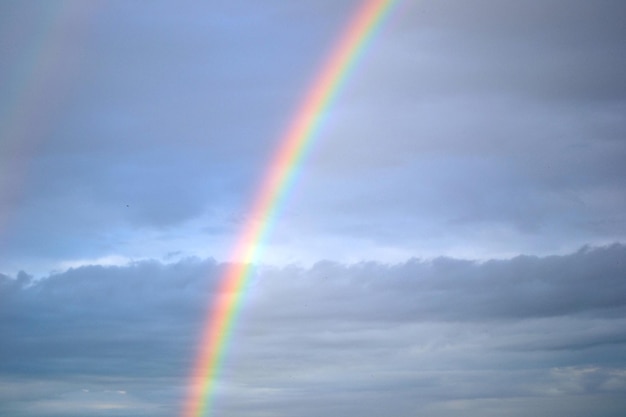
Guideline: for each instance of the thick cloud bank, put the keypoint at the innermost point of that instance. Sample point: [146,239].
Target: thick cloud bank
[526,336]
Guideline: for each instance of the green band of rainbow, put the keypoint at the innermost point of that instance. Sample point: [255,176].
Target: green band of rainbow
[292,148]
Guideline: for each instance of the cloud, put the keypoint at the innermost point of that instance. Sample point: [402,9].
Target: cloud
[423,336]
[545,50]
[482,129]
[485,122]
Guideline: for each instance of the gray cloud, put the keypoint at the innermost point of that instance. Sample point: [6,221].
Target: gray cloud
[476,129]
[554,49]
[485,122]
[420,336]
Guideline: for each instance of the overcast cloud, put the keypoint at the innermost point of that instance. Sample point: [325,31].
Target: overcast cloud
[472,129]
[428,260]
[437,337]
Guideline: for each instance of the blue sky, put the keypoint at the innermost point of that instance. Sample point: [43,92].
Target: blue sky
[134,136]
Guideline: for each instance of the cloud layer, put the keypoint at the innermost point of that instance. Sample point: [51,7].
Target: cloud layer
[369,339]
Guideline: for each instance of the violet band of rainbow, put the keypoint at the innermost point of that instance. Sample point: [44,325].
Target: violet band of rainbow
[279,178]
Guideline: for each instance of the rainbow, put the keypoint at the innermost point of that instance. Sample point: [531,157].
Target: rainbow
[39,79]
[281,174]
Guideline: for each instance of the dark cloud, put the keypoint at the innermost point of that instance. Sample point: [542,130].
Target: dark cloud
[334,338]
[548,50]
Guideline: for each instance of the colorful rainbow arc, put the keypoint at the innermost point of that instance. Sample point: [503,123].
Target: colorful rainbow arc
[293,147]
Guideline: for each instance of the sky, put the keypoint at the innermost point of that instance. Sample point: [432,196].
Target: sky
[454,242]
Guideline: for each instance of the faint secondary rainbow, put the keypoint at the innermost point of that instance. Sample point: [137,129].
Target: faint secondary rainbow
[39,77]
[281,173]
